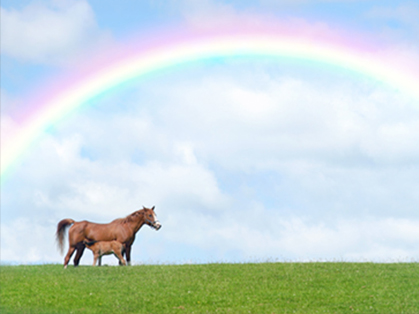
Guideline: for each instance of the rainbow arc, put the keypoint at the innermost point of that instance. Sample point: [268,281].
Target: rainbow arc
[147,60]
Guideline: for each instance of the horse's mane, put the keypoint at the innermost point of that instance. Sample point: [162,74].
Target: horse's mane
[129,218]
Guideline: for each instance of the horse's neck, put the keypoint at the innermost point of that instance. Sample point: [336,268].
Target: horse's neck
[136,224]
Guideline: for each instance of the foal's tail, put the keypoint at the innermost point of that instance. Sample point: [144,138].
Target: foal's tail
[62,226]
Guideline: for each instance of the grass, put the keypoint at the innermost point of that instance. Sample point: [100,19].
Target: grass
[212,288]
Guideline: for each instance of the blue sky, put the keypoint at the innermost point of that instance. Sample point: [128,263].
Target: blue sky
[245,159]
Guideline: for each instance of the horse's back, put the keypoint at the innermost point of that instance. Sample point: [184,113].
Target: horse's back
[86,230]
[77,228]
[91,231]
[101,232]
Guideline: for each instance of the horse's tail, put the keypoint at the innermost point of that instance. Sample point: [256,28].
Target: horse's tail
[62,226]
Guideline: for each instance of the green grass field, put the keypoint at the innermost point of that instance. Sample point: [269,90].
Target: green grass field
[212,288]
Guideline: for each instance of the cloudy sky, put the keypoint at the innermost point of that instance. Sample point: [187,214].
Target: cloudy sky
[245,159]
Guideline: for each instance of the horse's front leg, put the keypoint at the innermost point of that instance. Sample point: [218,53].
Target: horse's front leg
[128,253]
[80,249]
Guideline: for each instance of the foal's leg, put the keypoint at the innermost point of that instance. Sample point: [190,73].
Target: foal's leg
[120,257]
[95,257]
[80,249]
[122,254]
[68,256]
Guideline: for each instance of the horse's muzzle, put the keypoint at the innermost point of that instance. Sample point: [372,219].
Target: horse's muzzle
[157,225]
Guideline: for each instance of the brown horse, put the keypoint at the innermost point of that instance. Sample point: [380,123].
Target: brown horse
[100,248]
[122,230]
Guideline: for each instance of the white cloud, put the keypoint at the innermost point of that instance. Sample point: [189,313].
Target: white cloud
[73,184]
[265,235]
[351,240]
[217,15]
[278,3]
[404,12]
[253,234]
[399,26]
[8,128]
[202,13]
[28,241]
[50,32]
[244,127]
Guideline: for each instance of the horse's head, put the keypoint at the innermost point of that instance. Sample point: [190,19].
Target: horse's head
[150,218]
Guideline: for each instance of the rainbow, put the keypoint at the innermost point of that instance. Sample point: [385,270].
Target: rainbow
[140,61]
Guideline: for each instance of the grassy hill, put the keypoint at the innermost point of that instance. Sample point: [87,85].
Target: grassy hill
[212,288]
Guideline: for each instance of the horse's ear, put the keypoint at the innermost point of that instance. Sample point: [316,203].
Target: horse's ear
[143,207]
[152,208]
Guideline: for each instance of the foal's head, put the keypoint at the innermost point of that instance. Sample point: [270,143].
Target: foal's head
[150,218]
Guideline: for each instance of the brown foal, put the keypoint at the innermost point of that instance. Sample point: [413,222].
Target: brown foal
[101,248]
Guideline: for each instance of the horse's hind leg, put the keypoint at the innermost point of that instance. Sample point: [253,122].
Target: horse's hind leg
[68,256]
[80,249]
